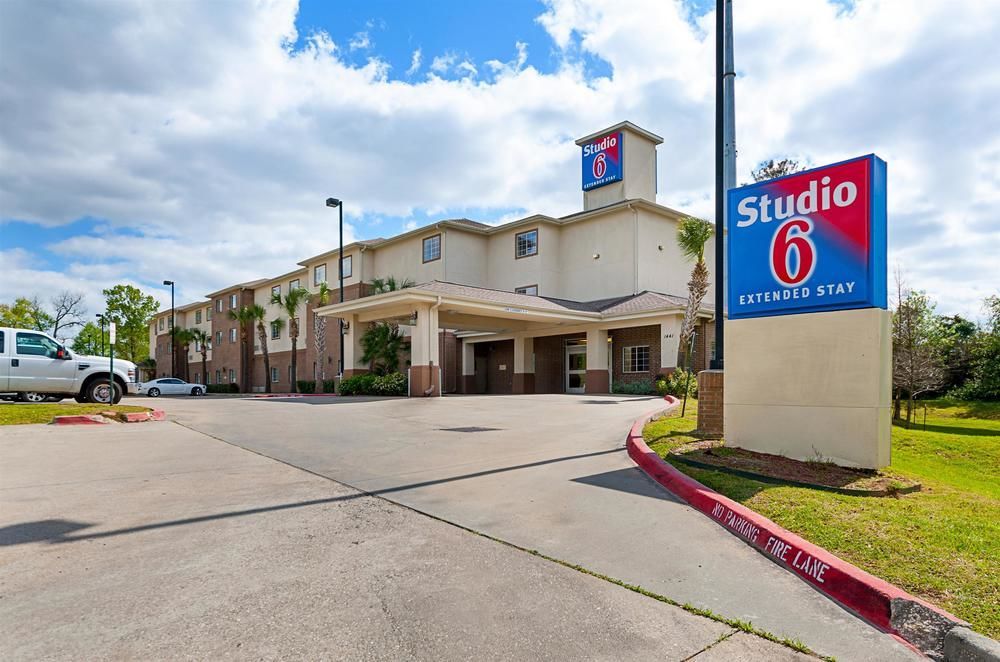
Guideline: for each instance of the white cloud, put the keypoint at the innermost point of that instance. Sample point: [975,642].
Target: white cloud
[415,62]
[360,41]
[219,143]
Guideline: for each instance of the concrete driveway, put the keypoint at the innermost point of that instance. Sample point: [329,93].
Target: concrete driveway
[157,542]
[546,473]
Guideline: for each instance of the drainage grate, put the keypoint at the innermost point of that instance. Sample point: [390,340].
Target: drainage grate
[469,429]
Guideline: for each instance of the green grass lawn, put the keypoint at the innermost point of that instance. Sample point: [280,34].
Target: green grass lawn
[942,543]
[20,414]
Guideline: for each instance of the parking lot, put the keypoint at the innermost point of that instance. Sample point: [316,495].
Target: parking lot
[121,541]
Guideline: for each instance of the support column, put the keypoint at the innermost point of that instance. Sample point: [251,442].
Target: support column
[524,365]
[670,332]
[468,382]
[425,360]
[353,351]
[598,380]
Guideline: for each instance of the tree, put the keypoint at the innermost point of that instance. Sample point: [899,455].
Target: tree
[319,336]
[67,311]
[958,340]
[692,235]
[131,310]
[984,383]
[245,316]
[771,169]
[201,339]
[182,338]
[91,341]
[382,342]
[25,313]
[258,313]
[290,304]
[916,358]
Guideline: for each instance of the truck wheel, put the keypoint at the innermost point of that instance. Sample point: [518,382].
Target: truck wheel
[101,392]
[31,396]
[82,399]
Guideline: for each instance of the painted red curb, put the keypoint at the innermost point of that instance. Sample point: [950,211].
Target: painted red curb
[157,415]
[866,595]
[79,419]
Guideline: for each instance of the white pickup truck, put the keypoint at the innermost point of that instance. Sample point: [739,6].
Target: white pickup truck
[33,362]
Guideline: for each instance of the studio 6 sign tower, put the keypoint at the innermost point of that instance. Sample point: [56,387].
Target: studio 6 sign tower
[808,370]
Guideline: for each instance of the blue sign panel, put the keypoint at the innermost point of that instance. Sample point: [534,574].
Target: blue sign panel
[809,242]
[602,161]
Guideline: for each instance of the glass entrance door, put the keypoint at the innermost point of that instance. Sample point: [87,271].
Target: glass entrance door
[576,368]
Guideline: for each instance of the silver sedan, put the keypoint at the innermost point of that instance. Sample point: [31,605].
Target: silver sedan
[170,386]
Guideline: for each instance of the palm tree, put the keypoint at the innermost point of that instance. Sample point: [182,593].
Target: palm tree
[182,338]
[692,235]
[201,339]
[290,305]
[258,313]
[319,335]
[382,341]
[246,318]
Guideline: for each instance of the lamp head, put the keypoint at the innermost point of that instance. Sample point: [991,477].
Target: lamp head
[332,202]
[168,282]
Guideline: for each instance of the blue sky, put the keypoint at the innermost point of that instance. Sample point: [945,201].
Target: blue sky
[197,141]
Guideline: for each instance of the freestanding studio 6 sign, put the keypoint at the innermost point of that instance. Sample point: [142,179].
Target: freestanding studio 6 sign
[809,242]
[602,161]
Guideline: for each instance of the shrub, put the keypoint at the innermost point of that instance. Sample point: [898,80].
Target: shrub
[633,388]
[329,386]
[305,385]
[223,388]
[392,384]
[673,384]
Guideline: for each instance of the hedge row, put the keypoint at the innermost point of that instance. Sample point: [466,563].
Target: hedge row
[392,384]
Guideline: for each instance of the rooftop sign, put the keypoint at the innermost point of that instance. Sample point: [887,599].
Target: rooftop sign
[602,160]
[809,242]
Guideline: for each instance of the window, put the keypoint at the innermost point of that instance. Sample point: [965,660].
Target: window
[197,317]
[432,248]
[163,321]
[232,376]
[218,376]
[275,373]
[276,291]
[345,267]
[197,346]
[197,378]
[289,374]
[527,289]
[232,301]
[1,342]
[218,305]
[526,244]
[319,274]
[35,344]
[218,337]
[635,359]
[208,378]
[275,330]
[232,335]
[208,313]
[293,284]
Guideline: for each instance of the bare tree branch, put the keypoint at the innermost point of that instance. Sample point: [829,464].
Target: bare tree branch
[68,311]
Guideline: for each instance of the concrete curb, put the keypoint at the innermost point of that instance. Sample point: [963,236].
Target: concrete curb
[963,645]
[106,417]
[293,395]
[79,419]
[914,621]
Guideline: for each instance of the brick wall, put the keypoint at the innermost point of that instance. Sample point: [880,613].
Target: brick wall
[226,355]
[499,353]
[710,391]
[448,355]
[637,335]
[550,362]
[282,361]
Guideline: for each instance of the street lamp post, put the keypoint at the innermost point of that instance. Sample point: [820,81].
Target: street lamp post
[101,317]
[334,202]
[173,350]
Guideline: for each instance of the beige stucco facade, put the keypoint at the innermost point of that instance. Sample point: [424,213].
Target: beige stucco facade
[815,386]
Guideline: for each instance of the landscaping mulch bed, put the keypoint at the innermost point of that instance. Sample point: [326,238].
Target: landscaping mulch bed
[712,454]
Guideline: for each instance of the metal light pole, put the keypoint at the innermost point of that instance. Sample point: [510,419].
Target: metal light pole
[101,317]
[173,318]
[720,189]
[334,202]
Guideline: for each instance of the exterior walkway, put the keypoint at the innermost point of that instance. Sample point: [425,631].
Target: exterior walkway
[545,472]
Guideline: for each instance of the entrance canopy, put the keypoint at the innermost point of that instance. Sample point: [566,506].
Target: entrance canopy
[478,309]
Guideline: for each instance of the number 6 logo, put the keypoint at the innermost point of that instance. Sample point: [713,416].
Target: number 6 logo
[600,165]
[792,241]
